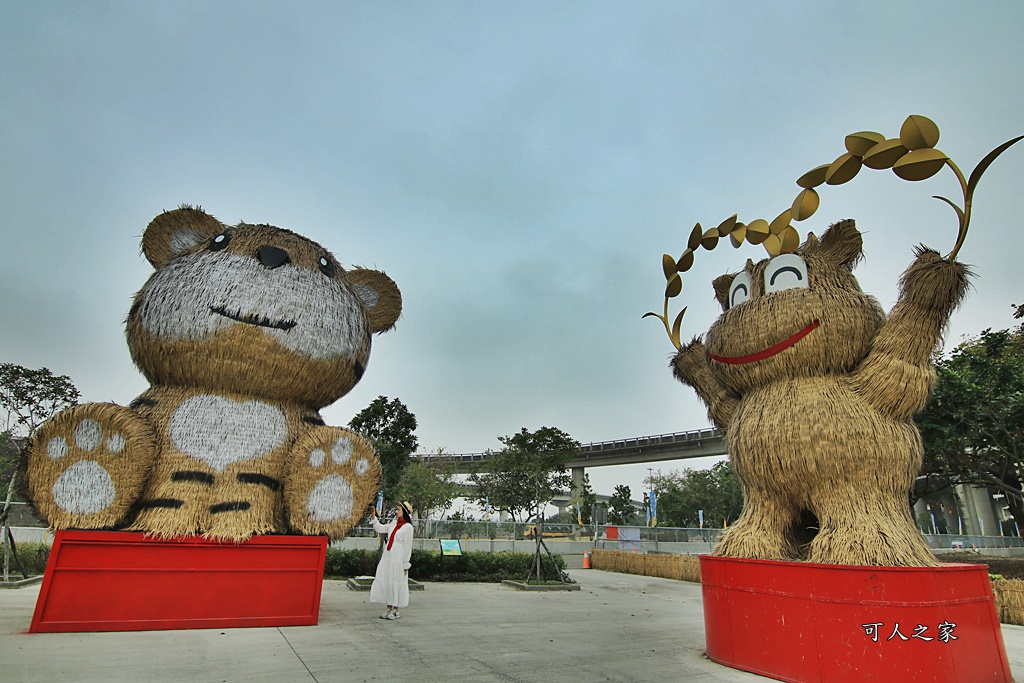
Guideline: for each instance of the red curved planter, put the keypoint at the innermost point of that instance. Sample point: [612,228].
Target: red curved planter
[119,581]
[811,623]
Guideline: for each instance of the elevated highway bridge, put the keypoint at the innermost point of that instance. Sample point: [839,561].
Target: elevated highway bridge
[698,443]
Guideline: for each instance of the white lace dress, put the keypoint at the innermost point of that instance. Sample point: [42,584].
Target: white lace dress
[391,585]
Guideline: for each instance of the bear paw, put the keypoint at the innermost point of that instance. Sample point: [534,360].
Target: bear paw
[87,465]
[332,479]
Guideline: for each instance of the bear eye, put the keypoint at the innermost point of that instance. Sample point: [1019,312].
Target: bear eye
[787,271]
[219,242]
[739,290]
[326,266]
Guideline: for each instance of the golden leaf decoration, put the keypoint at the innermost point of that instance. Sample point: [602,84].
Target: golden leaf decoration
[757,231]
[919,132]
[885,154]
[920,164]
[814,177]
[781,222]
[695,236]
[685,261]
[727,226]
[674,286]
[805,204]
[668,265]
[710,239]
[858,144]
[738,235]
[843,169]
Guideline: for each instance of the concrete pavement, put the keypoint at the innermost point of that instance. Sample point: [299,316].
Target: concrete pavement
[619,627]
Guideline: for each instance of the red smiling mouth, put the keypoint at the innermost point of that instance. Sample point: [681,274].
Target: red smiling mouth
[770,351]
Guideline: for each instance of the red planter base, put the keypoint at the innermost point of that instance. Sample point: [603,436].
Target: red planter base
[119,581]
[811,623]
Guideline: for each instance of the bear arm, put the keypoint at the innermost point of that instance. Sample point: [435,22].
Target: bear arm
[894,387]
[897,376]
[690,366]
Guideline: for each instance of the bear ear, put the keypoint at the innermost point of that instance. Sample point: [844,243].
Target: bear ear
[379,295]
[173,233]
[842,244]
[721,285]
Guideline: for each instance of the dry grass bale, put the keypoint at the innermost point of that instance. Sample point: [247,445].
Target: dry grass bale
[245,333]
[815,390]
[678,567]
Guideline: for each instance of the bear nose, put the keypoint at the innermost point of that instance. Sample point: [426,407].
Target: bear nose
[272,257]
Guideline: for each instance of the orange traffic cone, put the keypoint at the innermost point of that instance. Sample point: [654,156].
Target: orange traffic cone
[586,560]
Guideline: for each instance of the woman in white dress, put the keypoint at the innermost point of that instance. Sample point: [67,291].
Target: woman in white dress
[391,583]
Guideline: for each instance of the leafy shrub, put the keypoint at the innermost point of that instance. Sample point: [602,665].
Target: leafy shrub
[432,566]
[33,556]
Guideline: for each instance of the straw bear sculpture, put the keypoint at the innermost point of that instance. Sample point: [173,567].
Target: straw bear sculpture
[244,334]
[815,389]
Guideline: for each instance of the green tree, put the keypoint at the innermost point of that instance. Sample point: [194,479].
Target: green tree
[527,473]
[30,397]
[389,425]
[973,425]
[430,486]
[620,507]
[683,494]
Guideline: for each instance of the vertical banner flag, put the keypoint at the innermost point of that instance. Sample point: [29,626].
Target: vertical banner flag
[380,503]
[700,515]
[654,509]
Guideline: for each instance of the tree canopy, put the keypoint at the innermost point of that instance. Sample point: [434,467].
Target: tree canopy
[973,425]
[620,506]
[30,397]
[391,427]
[527,473]
[683,494]
[430,486]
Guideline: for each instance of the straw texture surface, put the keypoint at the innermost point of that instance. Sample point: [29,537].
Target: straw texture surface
[815,389]
[244,332]
[678,567]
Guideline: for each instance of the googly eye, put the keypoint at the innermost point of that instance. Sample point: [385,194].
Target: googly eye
[220,242]
[739,292]
[326,266]
[787,271]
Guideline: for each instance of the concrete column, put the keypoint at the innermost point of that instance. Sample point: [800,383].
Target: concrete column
[577,482]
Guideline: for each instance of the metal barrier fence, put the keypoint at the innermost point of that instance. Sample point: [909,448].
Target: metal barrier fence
[644,538]
[433,528]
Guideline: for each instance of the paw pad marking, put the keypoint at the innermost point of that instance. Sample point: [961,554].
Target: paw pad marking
[330,499]
[115,443]
[341,451]
[57,448]
[83,488]
[362,466]
[316,457]
[88,434]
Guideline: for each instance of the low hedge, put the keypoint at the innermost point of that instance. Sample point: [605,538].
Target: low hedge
[430,565]
[427,565]
[32,555]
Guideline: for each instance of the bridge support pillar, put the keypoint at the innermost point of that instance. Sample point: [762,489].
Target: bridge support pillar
[577,482]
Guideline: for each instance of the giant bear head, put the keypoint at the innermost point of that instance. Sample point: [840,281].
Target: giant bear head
[794,315]
[254,309]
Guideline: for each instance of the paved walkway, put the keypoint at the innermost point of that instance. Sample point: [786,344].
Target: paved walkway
[618,628]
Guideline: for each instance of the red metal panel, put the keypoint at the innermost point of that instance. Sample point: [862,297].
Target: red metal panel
[812,623]
[119,581]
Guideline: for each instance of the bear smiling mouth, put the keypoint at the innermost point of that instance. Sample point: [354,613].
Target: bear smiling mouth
[770,351]
[254,319]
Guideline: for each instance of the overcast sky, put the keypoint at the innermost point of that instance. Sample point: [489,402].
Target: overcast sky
[518,168]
